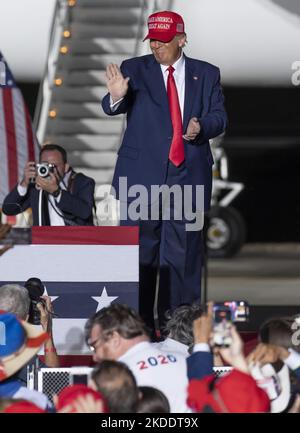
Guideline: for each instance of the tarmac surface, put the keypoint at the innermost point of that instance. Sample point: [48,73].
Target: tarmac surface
[265,275]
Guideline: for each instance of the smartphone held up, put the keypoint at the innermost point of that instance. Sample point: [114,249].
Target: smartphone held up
[226,313]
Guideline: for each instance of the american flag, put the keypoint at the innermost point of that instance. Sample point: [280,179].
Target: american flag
[84,269]
[18,143]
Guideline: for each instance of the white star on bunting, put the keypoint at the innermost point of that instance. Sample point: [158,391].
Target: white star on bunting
[53,298]
[104,300]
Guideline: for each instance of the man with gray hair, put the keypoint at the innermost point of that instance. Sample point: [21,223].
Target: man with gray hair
[178,331]
[118,333]
[15,299]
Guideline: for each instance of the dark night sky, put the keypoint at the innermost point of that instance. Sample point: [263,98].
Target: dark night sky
[263,145]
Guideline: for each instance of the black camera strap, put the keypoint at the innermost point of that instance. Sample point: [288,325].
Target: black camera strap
[68,219]
[45,209]
[71,181]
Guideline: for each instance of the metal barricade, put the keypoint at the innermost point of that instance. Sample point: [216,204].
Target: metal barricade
[51,381]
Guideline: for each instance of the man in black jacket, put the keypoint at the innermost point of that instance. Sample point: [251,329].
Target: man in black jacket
[61,197]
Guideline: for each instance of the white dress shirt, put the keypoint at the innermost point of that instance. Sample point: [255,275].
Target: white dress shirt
[172,345]
[179,77]
[35,397]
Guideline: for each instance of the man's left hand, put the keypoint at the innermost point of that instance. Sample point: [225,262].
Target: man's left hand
[48,184]
[193,129]
[202,327]
[234,355]
[267,354]
[46,317]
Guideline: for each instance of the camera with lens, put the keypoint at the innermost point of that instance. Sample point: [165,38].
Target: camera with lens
[44,169]
[35,290]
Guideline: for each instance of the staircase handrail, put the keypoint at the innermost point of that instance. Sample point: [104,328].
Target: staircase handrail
[61,20]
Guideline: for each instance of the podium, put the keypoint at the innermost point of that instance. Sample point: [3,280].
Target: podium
[84,269]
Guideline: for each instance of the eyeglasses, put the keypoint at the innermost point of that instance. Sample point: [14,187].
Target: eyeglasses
[93,344]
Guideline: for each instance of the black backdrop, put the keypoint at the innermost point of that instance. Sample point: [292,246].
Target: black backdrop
[263,145]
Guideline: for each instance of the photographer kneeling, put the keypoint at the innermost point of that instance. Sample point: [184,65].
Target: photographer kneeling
[15,299]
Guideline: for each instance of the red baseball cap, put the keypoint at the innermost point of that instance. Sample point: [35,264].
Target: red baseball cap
[163,26]
[69,394]
[236,392]
[23,407]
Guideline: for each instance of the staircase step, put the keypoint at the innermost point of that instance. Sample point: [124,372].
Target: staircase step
[79,94]
[102,177]
[82,78]
[86,141]
[91,15]
[104,31]
[80,111]
[85,126]
[101,46]
[108,3]
[100,193]
[92,159]
[89,61]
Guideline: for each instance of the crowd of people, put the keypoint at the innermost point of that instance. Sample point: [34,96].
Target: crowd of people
[133,374]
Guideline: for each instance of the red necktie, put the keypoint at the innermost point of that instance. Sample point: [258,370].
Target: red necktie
[176,154]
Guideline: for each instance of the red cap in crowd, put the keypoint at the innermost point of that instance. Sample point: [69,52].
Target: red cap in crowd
[163,26]
[236,392]
[23,407]
[69,394]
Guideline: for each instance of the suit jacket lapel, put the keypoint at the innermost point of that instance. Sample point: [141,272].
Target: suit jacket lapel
[191,81]
[155,83]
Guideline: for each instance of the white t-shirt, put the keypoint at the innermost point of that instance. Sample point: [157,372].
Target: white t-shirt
[35,397]
[172,345]
[166,371]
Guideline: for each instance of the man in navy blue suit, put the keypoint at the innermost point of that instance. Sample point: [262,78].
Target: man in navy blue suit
[174,105]
[61,198]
